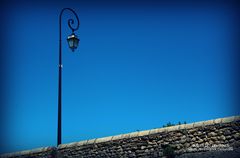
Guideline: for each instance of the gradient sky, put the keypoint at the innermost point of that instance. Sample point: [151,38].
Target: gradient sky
[138,66]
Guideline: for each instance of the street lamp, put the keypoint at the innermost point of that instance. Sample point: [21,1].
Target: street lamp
[72,43]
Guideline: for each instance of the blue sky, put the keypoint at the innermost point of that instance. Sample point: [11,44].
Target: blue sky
[138,66]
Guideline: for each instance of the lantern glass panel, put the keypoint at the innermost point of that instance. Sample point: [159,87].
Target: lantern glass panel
[70,42]
[75,43]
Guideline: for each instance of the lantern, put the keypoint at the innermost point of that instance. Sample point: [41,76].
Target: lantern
[73,41]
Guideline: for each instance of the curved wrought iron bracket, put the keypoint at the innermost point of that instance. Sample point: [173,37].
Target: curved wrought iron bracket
[70,21]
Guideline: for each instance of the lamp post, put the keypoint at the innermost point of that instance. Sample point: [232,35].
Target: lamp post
[72,43]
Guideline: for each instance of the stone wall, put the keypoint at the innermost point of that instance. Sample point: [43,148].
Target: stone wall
[46,152]
[218,134]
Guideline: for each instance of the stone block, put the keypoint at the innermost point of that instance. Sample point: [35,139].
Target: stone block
[181,126]
[209,122]
[160,130]
[228,119]
[91,141]
[189,126]
[217,121]
[143,133]
[104,139]
[117,137]
[236,118]
[61,146]
[212,134]
[81,143]
[125,136]
[38,150]
[133,134]
[24,152]
[236,136]
[173,128]
[153,131]
[198,124]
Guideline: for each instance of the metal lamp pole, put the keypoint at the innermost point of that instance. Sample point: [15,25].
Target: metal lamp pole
[73,43]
